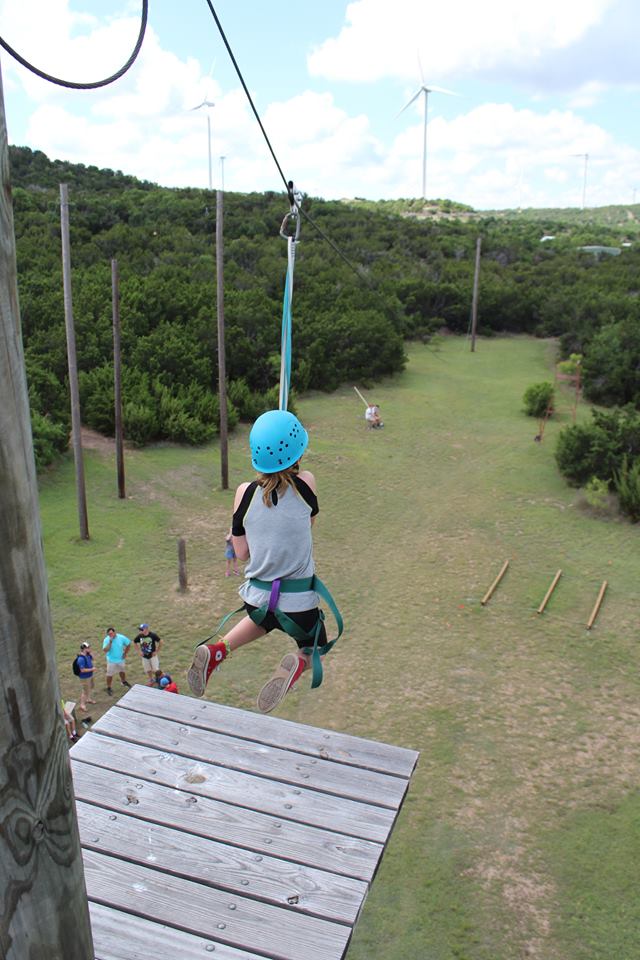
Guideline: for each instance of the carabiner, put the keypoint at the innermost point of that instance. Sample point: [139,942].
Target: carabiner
[293,216]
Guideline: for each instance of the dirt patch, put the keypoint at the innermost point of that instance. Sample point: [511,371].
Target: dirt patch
[91,440]
[78,587]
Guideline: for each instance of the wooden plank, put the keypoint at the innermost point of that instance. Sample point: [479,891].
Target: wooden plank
[314,741]
[280,882]
[123,936]
[233,753]
[241,789]
[236,921]
[201,816]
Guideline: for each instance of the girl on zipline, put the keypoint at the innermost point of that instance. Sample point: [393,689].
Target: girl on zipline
[271,530]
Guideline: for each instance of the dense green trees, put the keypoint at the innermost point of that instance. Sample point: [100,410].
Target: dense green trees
[400,275]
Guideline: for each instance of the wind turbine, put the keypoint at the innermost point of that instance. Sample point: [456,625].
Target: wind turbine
[208,104]
[424,90]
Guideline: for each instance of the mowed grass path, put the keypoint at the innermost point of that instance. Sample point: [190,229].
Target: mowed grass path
[521,833]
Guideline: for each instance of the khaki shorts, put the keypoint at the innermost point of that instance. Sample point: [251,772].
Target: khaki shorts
[153,663]
[113,668]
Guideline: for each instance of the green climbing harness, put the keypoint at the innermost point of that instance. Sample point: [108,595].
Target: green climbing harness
[310,638]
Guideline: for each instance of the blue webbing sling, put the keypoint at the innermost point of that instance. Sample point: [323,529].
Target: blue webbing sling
[312,648]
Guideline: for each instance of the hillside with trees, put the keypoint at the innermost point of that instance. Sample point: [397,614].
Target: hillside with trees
[403,270]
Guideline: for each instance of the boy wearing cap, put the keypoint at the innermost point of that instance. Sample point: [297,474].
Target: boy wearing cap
[86,668]
[149,644]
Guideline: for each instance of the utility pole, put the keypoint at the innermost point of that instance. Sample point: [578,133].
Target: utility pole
[474,304]
[117,377]
[222,372]
[76,426]
[44,901]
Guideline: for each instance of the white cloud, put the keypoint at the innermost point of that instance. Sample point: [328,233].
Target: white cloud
[381,40]
[490,155]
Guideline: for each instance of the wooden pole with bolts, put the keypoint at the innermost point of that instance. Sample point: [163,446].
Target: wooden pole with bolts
[495,583]
[117,377]
[549,591]
[183,582]
[598,604]
[222,373]
[474,302]
[45,912]
[76,423]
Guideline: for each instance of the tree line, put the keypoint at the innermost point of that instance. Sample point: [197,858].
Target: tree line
[407,276]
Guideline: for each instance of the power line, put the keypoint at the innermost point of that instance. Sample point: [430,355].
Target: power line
[96,83]
[288,183]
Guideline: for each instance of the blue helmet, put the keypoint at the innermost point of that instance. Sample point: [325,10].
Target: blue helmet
[277,441]
[165,681]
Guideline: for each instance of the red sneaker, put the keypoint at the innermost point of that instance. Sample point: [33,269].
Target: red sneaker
[206,659]
[291,667]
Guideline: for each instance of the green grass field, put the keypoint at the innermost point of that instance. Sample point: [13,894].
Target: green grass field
[520,837]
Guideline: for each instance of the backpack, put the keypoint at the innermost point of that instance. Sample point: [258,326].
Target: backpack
[75,666]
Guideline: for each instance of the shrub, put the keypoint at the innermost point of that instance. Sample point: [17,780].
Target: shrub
[596,493]
[627,482]
[538,399]
[50,439]
[597,449]
[571,365]
[140,422]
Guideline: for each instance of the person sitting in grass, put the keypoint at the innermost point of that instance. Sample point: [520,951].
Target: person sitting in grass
[271,530]
[372,416]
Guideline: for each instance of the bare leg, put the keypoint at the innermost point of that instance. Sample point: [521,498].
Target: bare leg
[244,632]
[209,656]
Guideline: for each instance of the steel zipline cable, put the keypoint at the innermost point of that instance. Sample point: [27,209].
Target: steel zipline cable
[288,183]
[95,83]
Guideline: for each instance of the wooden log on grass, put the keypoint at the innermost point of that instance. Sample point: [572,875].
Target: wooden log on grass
[549,591]
[495,583]
[598,604]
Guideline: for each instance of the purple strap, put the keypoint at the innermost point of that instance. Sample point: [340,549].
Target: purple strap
[274,596]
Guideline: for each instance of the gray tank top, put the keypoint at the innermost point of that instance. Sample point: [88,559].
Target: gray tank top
[280,546]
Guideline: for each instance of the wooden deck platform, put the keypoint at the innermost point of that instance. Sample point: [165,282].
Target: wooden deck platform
[211,830]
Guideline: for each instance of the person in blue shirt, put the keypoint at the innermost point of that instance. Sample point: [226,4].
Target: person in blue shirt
[86,668]
[116,646]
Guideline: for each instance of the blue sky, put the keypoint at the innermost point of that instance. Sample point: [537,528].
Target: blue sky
[537,87]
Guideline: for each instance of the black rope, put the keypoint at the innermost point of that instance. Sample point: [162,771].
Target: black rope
[288,184]
[95,83]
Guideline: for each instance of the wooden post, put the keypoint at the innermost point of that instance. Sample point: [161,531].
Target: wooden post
[495,583]
[182,565]
[598,604]
[222,373]
[549,591]
[42,890]
[117,377]
[474,304]
[76,426]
